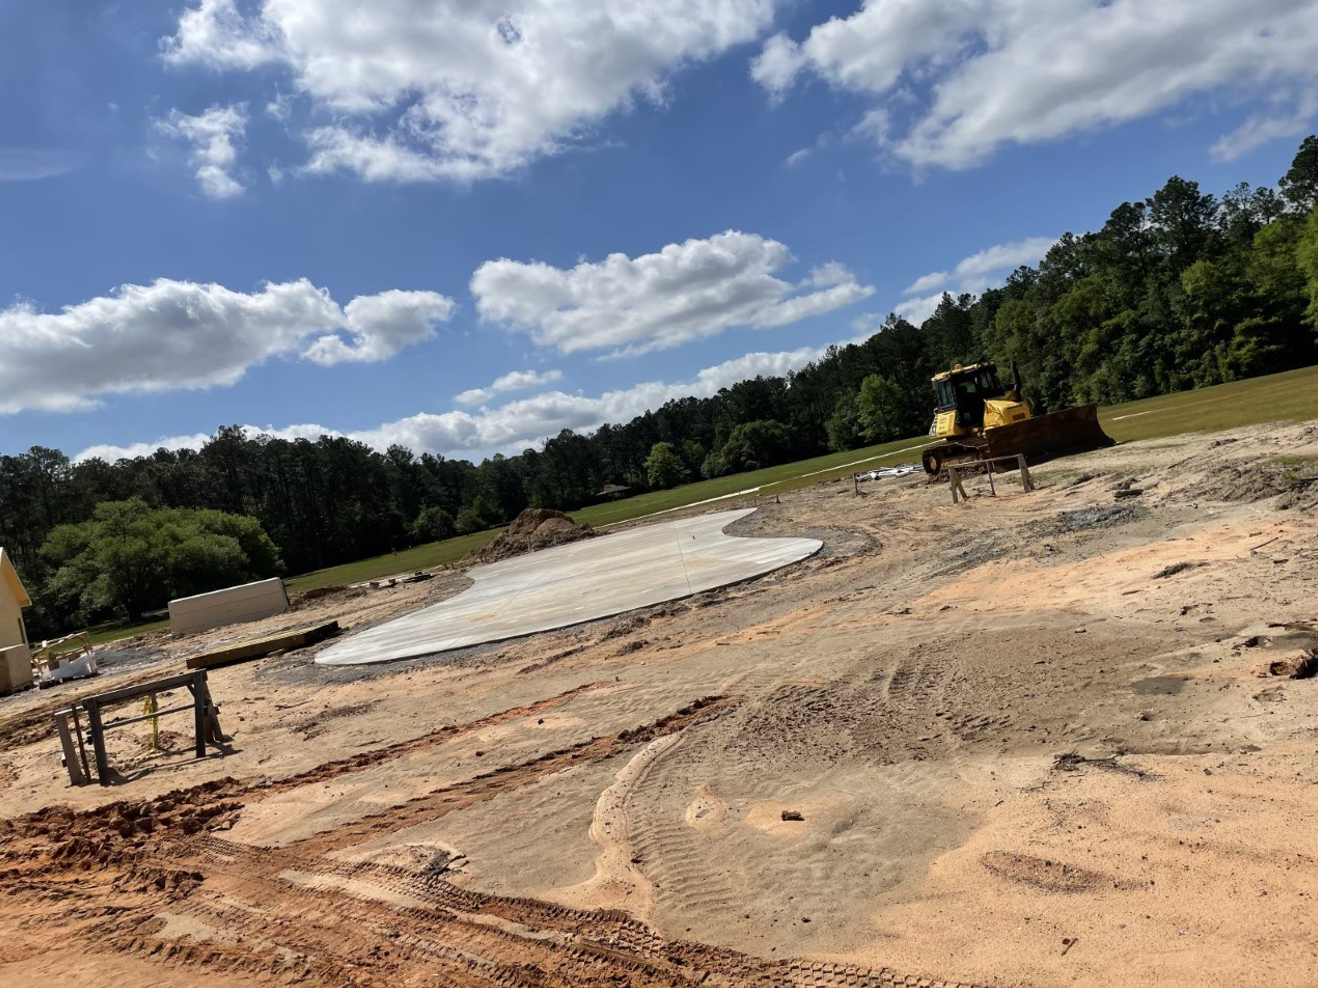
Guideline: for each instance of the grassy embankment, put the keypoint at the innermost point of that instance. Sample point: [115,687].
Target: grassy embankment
[1289,396]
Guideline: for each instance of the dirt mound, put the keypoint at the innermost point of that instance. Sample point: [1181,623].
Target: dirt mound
[534,528]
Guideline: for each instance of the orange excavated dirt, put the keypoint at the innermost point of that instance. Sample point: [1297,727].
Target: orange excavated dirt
[1032,740]
[533,529]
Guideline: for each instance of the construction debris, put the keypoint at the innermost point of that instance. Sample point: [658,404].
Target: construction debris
[51,663]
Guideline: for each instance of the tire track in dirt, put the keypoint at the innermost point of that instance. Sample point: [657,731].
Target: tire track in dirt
[438,804]
[157,881]
[368,759]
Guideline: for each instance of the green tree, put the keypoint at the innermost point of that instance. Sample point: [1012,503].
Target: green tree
[843,426]
[432,523]
[879,407]
[1306,259]
[663,467]
[693,454]
[132,558]
[477,516]
[1299,186]
[1182,221]
[754,445]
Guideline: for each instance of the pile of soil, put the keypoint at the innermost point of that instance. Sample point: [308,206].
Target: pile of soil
[534,528]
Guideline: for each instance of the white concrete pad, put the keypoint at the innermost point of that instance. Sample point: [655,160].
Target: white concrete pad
[579,582]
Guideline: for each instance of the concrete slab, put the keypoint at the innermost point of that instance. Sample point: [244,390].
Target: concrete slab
[570,584]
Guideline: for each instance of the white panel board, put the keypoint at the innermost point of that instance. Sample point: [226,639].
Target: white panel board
[231,605]
[579,582]
[15,669]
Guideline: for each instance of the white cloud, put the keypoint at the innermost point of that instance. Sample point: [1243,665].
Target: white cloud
[424,90]
[110,452]
[797,156]
[210,137]
[928,282]
[868,51]
[215,34]
[1261,128]
[972,274]
[1027,71]
[527,422]
[518,424]
[379,326]
[684,292]
[179,335]
[512,381]
[20,164]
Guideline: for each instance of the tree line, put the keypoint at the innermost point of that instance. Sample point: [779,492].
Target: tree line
[1180,290]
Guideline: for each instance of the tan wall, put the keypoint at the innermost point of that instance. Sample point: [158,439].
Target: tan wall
[11,619]
[229,606]
[15,668]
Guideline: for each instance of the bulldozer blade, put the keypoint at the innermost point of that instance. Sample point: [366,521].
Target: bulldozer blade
[1072,430]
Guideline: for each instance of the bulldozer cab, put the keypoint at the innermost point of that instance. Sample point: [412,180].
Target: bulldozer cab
[965,389]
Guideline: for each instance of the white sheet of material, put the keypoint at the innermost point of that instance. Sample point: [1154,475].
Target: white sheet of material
[579,582]
[232,605]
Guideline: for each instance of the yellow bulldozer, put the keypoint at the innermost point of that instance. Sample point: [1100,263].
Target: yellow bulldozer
[978,419]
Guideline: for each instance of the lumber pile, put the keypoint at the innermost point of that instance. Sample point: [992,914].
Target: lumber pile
[259,647]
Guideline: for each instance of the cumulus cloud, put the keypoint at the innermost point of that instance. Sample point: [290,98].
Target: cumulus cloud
[1025,71]
[215,34]
[972,274]
[654,301]
[179,335]
[512,381]
[378,326]
[518,424]
[425,90]
[210,137]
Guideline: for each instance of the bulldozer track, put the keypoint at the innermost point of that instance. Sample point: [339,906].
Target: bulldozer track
[301,913]
[296,914]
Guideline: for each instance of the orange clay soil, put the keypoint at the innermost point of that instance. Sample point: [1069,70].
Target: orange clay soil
[1034,740]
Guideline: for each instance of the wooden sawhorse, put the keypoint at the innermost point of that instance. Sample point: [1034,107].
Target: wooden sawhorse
[205,716]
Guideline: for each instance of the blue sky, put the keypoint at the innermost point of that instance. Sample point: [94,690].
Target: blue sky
[317,215]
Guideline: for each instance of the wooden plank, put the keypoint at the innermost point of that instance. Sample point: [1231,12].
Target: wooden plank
[71,762]
[121,721]
[141,690]
[98,740]
[82,748]
[260,647]
[199,700]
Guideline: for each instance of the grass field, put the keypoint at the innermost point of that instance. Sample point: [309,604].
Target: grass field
[1289,396]
[406,561]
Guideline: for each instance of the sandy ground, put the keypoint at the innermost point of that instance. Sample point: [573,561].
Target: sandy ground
[1037,739]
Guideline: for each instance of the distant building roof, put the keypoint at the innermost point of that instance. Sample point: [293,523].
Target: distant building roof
[611,489]
[9,577]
